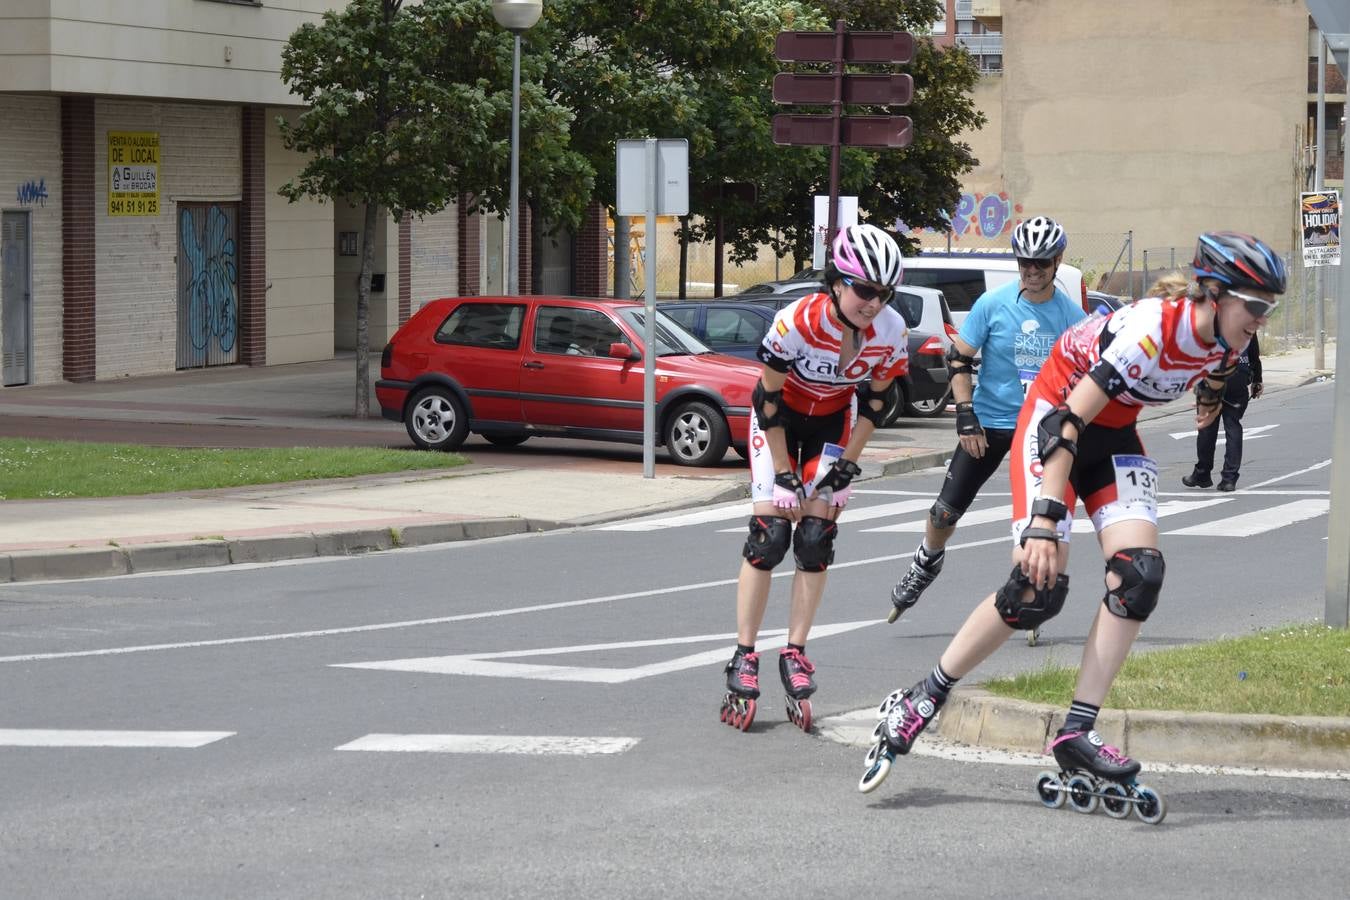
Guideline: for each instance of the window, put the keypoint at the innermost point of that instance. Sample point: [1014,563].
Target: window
[688,318]
[909,306]
[732,327]
[494,325]
[575,331]
[962,286]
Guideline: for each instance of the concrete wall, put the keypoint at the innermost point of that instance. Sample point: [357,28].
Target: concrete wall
[136,271]
[1162,117]
[383,321]
[30,156]
[189,49]
[300,253]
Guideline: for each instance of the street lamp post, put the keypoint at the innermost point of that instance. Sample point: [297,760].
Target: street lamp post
[516,16]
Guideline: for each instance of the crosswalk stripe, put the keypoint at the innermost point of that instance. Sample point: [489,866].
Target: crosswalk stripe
[65,737]
[853,516]
[738,510]
[533,745]
[977,517]
[1253,523]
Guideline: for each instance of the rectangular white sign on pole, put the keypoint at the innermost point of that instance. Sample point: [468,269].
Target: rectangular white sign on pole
[672,177]
[848,215]
[1321,221]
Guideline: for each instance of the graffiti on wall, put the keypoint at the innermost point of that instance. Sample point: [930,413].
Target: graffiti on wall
[31,192]
[977,215]
[210,276]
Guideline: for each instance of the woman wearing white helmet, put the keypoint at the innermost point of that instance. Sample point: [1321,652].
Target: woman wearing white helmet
[1013,327]
[829,359]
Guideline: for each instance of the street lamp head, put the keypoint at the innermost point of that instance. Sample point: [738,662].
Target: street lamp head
[517,15]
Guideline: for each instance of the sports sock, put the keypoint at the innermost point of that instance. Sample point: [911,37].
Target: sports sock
[939,684]
[1082,716]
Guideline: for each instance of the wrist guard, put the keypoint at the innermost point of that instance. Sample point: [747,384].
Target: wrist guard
[1050,508]
[967,423]
[1038,534]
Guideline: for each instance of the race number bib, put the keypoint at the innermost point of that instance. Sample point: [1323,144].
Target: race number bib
[1026,376]
[828,455]
[1136,482]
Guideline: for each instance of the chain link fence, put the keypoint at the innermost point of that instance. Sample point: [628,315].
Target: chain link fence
[700,265]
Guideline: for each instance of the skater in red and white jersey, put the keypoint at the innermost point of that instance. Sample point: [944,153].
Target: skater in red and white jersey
[1076,439]
[829,359]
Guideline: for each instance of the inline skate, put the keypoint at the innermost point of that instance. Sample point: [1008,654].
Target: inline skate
[795,670]
[913,583]
[738,706]
[904,714]
[1092,771]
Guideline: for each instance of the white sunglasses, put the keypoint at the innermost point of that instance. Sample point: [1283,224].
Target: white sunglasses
[1255,305]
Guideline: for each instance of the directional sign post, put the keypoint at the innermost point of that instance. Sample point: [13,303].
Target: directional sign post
[839,88]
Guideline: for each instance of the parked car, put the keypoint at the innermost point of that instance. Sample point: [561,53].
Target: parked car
[963,277]
[737,324]
[1105,303]
[509,368]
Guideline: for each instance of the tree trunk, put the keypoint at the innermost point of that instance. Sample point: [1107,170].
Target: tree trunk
[363,313]
[719,244]
[623,274]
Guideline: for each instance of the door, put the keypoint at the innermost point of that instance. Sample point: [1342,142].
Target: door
[568,380]
[208,285]
[16,296]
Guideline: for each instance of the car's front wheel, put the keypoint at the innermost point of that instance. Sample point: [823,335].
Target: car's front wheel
[696,434]
[926,409]
[436,419]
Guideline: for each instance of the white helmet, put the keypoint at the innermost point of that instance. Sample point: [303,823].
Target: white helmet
[1039,238]
[867,252]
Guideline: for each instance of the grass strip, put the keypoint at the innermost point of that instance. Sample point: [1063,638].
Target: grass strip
[32,469]
[1296,670]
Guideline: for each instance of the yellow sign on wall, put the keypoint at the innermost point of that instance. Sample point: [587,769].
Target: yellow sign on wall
[133,173]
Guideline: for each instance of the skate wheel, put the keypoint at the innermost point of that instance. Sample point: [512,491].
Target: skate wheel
[1050,790]
[747,717]
[1115,801]
[891,699]
[1150,808]
[878,767]
[1033,636]
[879,730]
[1082,795]
[895,614]
[804,720]
[725,710]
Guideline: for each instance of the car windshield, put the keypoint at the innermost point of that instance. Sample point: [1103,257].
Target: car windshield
[671,339]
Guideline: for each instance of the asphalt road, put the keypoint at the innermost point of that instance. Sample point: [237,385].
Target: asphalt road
[293,677]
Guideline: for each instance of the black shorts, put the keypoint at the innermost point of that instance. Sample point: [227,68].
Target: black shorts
[966,474]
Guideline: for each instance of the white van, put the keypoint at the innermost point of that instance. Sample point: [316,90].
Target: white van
[963,277]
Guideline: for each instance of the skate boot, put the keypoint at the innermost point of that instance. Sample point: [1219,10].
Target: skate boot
[1092,771]
[738,706]
[795,670]
[914,582]
[904,716]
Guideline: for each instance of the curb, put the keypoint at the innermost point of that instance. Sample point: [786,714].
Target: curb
[981,719]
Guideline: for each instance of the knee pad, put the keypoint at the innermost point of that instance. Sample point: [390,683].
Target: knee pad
[813,543]
[1028,615]
[1141,572]
[944,516]
[768,541]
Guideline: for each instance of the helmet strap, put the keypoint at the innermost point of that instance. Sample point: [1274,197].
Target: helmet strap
[839,311]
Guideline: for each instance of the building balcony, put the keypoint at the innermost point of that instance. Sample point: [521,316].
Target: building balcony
[987,12]
[981,44]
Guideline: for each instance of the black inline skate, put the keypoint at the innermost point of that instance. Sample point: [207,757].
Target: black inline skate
[738,706]
[913,583]
[795,670]
[904,715]
[1092,771]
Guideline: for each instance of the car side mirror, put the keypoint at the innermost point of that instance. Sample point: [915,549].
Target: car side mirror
[620,350]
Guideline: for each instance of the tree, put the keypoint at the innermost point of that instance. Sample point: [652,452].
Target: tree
[407,110]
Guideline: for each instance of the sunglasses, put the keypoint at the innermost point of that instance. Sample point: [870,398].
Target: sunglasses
[1041,264]
[1255,305]
[869,292]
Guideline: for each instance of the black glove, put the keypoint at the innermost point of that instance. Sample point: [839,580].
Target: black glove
[1257,389]
[839,477]
[966,421]
[788,491]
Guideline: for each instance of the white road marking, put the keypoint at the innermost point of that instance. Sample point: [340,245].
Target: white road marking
[1313,468]
[64,737]
[530,745]
[864,513]
[1248,433]
[487,665]
[1260,521]
[975,517]
[741,509]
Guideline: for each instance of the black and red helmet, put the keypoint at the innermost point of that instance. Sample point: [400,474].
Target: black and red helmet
[1239,260]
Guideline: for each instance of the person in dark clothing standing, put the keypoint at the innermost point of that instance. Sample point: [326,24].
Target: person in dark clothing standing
[1235,397]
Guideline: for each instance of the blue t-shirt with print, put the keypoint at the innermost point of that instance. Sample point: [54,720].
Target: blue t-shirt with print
[1014,337]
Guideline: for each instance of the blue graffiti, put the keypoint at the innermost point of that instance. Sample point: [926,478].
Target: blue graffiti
[212,274]
[31,192]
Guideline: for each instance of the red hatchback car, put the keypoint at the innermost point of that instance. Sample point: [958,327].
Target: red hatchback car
[509,368]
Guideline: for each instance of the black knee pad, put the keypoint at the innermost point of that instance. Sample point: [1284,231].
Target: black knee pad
[944,516]
[1141,572]
[1044,605]
[768,542]
[813,543]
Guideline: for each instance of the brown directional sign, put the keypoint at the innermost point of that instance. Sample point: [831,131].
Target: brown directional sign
[894,132]
[872,90]
[859,46]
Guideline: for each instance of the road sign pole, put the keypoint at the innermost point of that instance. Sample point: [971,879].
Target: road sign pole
[649,322]
[837,113]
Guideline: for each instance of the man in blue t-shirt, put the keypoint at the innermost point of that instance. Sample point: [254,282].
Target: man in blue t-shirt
[1013,329]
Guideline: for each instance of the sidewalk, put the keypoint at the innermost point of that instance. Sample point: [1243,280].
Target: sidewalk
[61,539]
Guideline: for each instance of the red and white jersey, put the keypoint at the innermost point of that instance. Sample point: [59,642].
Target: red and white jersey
[1145,354]
[803,341]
